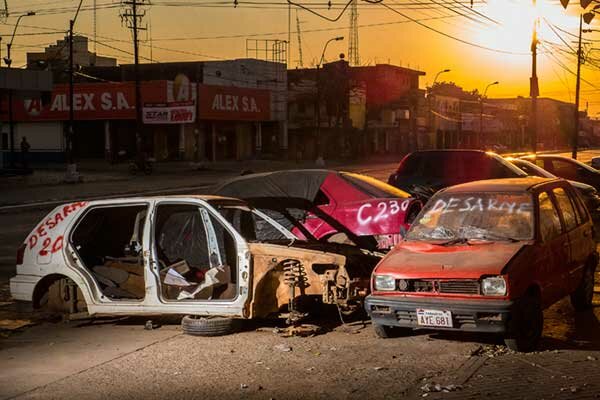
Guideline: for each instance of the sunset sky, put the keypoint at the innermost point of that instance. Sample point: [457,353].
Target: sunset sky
[498,33]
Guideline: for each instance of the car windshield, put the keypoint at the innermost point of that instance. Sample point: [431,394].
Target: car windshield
[479,216]
[532,169]
[374,187]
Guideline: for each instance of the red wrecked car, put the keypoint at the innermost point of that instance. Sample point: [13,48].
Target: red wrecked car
[488,256]
[329,205]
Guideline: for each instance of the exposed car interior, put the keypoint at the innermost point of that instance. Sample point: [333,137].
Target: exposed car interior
[109,243]
[197,256]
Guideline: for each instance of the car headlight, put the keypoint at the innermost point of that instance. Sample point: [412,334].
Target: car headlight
[385,282]
[494,286]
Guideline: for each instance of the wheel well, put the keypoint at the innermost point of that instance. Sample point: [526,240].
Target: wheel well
[43,286]
[533,290]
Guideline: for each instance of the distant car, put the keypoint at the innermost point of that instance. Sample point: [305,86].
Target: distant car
[197,255]
[588,193]
[566,168]
[329,205]
[432,170]
[488,256]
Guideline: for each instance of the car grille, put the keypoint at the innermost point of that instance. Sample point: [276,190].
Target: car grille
[463,286]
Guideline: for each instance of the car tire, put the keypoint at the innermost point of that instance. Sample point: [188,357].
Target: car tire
[386,332]
[208,326]
[526,324]
[582,297]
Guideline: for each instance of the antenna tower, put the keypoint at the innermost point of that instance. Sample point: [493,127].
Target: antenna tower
[353,57]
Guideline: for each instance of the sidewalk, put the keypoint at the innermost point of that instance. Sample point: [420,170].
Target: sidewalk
[103,180]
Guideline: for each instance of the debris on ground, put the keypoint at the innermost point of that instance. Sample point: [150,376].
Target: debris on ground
[14,324]
[491,351]
[150,325]
[243,386]
[282,347]
[433,388]
[303,330]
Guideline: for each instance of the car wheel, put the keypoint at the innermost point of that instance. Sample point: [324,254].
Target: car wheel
[581,298]
[526,325]
[385,331]
[208,326]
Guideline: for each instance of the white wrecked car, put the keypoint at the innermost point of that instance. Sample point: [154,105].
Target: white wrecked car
[197,255]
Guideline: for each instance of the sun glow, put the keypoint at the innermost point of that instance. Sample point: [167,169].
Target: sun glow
[516,20]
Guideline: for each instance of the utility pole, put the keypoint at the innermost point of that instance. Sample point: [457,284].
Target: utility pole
[534,89]
[72,175]
[577,90]
[133,17]
[479,139]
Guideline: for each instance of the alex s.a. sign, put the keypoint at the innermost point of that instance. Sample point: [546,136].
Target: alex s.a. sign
[234,103]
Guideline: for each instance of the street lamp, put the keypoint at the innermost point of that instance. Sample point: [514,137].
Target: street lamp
[8,62]
[319,155]
[429,114]
[481,112]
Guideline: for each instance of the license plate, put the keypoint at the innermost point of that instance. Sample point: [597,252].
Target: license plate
[437,318]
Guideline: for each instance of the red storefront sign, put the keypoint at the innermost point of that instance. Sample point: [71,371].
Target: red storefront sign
[97,101]
[233,103]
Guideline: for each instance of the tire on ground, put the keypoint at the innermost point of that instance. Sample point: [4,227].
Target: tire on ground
[209,326]
[582,297]
[526,324]
[385,331]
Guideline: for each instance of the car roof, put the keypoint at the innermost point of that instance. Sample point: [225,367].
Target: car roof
[124,200]
[452,151]
[534,156]
[501,185]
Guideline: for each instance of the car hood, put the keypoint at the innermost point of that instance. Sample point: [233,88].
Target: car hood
[416,260]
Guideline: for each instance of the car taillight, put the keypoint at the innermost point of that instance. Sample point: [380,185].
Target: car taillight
[20,254]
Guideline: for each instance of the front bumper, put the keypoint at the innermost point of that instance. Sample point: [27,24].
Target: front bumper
[467,315]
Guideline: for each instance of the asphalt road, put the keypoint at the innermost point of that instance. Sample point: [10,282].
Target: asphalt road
[116,359]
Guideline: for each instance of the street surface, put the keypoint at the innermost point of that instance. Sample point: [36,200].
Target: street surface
[118,358]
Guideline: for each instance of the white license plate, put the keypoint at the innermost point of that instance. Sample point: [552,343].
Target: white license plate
[437,318]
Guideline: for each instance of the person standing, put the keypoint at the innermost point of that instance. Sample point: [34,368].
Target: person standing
[25,146]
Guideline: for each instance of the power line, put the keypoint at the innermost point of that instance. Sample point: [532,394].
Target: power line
[450,36]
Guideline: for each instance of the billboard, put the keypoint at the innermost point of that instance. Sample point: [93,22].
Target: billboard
[233,103]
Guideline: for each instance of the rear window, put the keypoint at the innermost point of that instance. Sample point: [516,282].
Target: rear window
[374,187]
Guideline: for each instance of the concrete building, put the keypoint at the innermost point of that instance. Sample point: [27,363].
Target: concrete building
[213,110]
[363,110]
[56,56]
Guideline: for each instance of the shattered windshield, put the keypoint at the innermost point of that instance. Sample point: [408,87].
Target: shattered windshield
[480,216]
[253,225]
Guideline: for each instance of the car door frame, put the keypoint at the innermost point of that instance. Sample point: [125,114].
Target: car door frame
[551,288]
[236,307]
[96,301]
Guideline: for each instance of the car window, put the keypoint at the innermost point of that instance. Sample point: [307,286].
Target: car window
[564,169]
[549,220]
[321,199]
[566,208]
[580,209]
[410,165]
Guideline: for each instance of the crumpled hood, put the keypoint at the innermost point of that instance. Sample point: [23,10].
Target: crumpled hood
[414,260]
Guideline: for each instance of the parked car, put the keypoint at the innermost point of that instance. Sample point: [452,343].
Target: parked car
[588,193]
[197,255]
[488,256]
[566,168]
[329,205]
[433,170]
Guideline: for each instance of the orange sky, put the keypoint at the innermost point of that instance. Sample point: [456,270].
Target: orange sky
[186,30]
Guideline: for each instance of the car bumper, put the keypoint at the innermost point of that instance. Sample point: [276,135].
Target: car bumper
[467,315]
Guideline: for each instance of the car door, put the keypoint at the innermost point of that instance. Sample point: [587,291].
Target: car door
[579,233]
[199,263]
[553,252]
